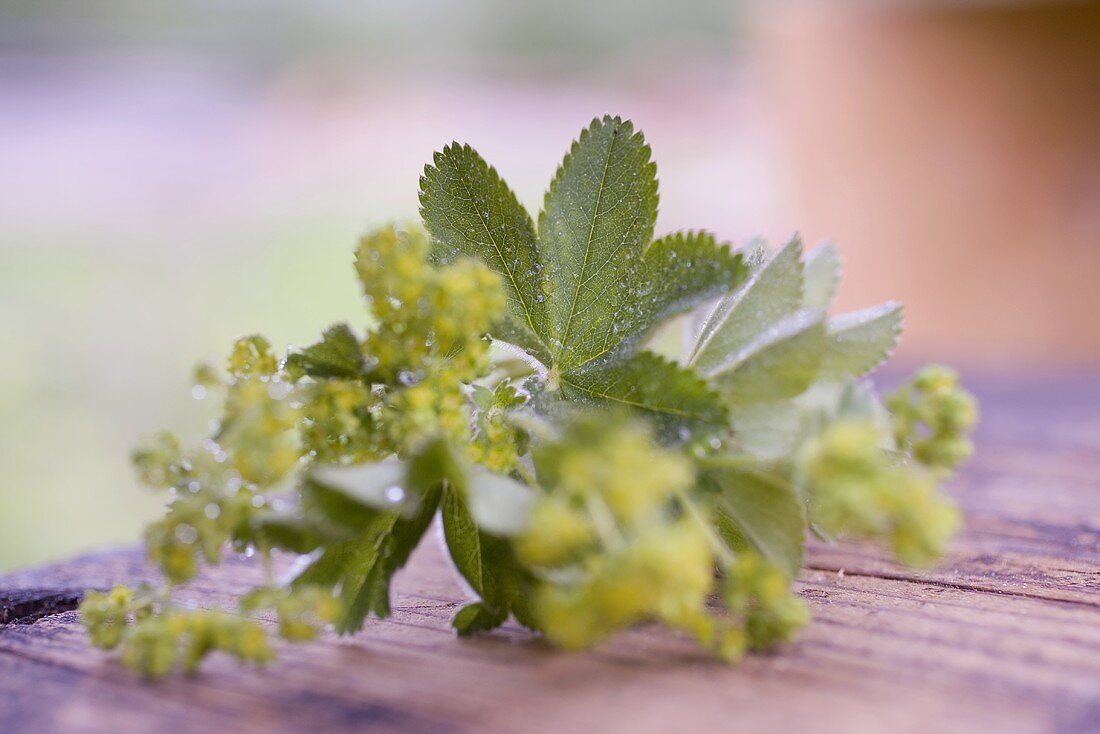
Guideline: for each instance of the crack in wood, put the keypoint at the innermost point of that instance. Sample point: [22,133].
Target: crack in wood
[956,585]
[27,606]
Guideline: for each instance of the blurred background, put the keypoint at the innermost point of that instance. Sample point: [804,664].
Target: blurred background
[175,174]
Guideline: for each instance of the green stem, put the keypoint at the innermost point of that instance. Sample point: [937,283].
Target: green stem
[604,520]
[726,557]
[527,476]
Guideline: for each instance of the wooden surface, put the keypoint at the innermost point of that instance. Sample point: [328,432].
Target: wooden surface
[1003,637]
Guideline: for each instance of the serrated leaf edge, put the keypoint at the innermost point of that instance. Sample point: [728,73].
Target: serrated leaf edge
[595,126]
[425,196]
[856,319]
[728,305]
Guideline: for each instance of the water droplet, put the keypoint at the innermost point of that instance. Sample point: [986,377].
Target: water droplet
[186,533]
[198,392]
[212,511]
[394,494]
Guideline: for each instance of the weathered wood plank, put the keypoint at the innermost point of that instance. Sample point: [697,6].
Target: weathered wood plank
[1005,636]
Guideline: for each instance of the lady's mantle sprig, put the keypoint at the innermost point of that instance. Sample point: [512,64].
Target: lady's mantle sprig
[500,382]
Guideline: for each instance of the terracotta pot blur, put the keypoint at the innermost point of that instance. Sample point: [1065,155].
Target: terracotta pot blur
[953,152]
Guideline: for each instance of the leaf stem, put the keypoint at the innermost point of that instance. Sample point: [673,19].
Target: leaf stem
[527,476]
[725,556]
[604,521]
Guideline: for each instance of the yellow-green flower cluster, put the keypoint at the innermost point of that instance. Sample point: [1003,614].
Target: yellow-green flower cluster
[157,460]
[607,541]
[156,638]
[107,615]
[199,523]
[210,503]
[425,314]
[429,340]
[406,382]
[857,488]
[339,422]
[251,357]
[259,430]
[302,613]
[759,594]
[933,418]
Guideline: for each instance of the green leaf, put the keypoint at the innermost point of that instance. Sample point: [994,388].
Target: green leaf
[473,551]
[858,401]
[290,532]
[471,212]
[677,272]
[476,617]
[768,431]
[862,340]
[334,506]
[338,354]
[597,216]
[758,510]
[433,466]
[377,486]
[757,252]
[498,504]
[485,561]
[682,405]
[511,333]
[779,363]
[822,275]
[592,284]
[773,431]
[363,566]
[773,292]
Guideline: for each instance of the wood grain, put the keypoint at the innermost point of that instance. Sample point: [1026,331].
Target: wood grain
[1004,636]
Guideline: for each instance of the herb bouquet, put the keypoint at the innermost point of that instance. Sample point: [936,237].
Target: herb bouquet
[501,381]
